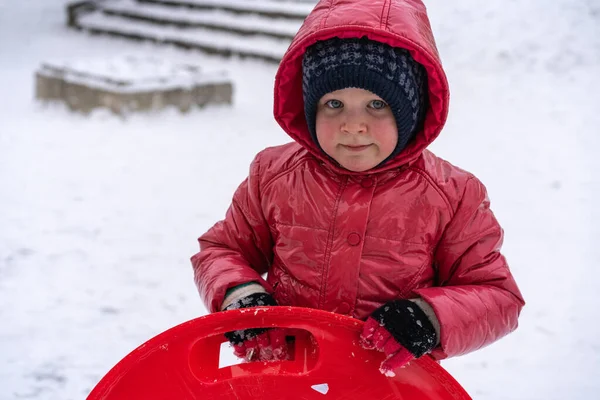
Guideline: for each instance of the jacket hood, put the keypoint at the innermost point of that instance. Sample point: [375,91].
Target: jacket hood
[399,23]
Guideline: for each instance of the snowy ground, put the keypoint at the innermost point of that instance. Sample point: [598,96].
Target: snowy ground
[99,215]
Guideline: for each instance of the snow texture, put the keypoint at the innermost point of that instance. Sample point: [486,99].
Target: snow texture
[99,215]
[280,26]
[128,74]
[299,7]
[197,36]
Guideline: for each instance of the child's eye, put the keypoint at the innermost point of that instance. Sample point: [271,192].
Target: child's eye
[334,104]
[378,104]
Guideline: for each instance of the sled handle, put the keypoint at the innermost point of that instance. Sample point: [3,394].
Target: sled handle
[318,336]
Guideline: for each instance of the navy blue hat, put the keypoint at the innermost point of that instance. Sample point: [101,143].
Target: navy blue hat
[389,72]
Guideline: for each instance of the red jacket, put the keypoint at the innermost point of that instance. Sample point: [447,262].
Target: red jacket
[348,242]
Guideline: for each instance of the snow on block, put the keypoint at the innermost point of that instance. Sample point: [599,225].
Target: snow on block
[130,84]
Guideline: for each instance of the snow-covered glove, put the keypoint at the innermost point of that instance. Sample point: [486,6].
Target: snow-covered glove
[402,330]
[257,344]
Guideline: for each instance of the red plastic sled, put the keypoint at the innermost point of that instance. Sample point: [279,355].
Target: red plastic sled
[183,363]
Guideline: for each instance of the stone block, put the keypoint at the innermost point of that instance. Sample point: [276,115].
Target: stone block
[131,84]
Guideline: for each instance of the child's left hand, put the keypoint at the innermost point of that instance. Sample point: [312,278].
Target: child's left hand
[401,330]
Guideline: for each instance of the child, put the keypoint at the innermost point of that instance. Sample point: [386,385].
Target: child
[355,216]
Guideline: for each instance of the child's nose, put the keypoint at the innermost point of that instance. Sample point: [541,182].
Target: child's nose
[354,123]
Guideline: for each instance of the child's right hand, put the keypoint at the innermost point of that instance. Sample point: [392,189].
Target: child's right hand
[257,344]
[270,345]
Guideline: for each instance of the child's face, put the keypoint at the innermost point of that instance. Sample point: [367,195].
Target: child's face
[356,128]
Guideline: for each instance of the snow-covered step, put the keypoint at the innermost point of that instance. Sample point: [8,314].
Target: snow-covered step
[129,84]
[250,24]
[225,43]
[269,8]
[313,2]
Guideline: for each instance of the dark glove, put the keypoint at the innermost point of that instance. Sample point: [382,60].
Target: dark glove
[401,330]
[257,344]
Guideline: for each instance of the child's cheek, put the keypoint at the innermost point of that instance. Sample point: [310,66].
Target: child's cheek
[385,133]
[326,130]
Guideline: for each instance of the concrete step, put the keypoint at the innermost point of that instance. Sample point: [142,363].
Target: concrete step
[248,28]
[268,8]
[210,41]
[213,19]
[131,84]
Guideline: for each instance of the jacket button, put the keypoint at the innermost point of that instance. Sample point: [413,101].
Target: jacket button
[367,183]
[353,239]
[343,308]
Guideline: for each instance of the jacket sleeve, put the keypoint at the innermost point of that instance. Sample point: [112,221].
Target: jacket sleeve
[237,249]
[477,300]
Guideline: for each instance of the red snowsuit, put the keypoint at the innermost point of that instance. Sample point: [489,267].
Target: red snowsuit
[349,242]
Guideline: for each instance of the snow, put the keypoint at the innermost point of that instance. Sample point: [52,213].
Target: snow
[128,68]
[130,74]
[260,44]
[99,215]
[253,22]
[278,6]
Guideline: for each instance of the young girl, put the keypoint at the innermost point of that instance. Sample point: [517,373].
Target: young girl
[355,216]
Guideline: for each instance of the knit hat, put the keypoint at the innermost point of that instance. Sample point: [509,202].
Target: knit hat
[389,72]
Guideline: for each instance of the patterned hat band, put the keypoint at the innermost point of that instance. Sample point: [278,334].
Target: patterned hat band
[391,73]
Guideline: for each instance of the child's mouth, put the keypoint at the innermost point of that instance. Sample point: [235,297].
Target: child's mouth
[355,148]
